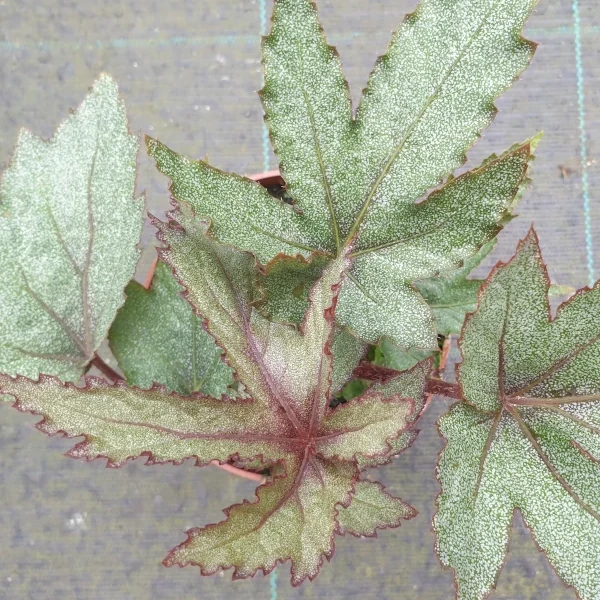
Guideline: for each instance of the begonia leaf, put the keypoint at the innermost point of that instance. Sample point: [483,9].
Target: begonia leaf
[157,338]
[356,180]
[284,423]
[452,295]
[527,435]
[372,508]
[69,229]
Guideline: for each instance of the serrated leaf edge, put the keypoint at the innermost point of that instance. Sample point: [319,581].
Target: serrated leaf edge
[167,562]
[412,513]
[531,234]
[92,382]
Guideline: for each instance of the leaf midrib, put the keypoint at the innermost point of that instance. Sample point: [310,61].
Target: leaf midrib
[411,128]
[85,344]
[527,433]
[248,334]
[326,186]
[183,435]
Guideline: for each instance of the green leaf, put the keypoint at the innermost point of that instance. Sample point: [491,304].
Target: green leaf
[372,508]
[241,211]
[347,352]
[390,356]
[309,115]
[451,295]
[292,518]
[427,100]
[121,422]
[437,235]
[69,227]
[156,337]
[356,182]
[285,284]
[527,436]
[352,389]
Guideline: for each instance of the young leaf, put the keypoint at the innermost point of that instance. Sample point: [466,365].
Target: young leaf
[451,295]
[357,181]
[528,435]
[390,356]
[372,508]
[408,384]
[69,226]
[286,425]
[156,337]
[347,352]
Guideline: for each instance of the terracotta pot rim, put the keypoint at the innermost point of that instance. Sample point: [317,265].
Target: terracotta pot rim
[265,175]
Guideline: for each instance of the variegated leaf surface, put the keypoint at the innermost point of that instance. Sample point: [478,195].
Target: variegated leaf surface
[527,435]
[285,424]
[356,179]
[372,508]
[69,229]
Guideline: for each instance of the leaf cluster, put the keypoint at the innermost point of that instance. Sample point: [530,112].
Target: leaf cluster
[298,333]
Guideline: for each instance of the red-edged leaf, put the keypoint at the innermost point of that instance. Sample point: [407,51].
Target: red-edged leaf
[121,422]
[282,367]
[286,422]
[527,435]
[293,518]
[289,371]
[372,508]
[364,426]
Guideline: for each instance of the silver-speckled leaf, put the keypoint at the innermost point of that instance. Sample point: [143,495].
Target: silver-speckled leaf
[241,211]
[452,295]
[293,518]
[408,384]
[120,422]
[527,436]
[69,228]
[347,351]
[433,236]
[372,508]
[427,100]
[357,180]
[309,115]
[157,338]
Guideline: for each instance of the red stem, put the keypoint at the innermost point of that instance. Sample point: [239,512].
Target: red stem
[437,387]
[105,369]
[251,475]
